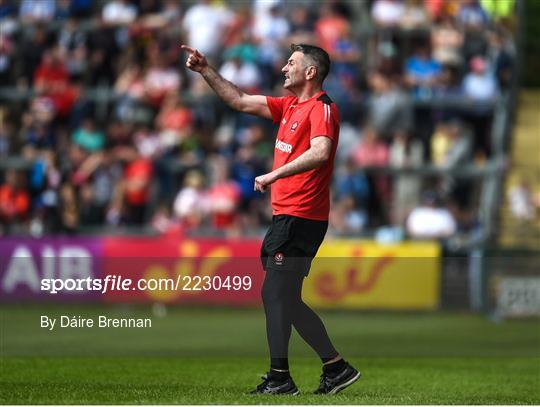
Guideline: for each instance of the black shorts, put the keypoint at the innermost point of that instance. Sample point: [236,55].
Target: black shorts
[291,243]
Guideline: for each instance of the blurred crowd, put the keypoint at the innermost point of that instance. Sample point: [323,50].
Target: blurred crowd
[118,133]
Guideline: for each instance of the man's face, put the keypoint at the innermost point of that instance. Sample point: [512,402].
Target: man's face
[294,71]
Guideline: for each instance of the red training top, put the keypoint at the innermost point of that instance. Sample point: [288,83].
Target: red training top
[306,195]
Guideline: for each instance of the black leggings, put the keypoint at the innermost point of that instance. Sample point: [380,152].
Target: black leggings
[284,308]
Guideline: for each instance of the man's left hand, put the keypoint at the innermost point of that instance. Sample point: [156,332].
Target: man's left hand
[262,182]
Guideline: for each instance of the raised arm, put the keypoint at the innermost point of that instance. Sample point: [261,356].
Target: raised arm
[228,91]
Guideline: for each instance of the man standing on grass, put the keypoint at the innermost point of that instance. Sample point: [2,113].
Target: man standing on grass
[303,163]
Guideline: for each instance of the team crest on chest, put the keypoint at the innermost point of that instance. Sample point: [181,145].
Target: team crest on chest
[294,126]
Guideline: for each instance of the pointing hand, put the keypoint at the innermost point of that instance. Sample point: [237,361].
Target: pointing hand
[196,61]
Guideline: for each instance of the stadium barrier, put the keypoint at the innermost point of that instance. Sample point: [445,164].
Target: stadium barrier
[347,274]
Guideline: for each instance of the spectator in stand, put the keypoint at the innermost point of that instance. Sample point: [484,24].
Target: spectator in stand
[7,10]
[448,86]
[81,8]
[32,11]
[405,152]
[440,144]
[414,15]
[261,8]
[246,166]
[501,57]
[302,25]
[457,147]
[521,201]
[389,108]
[130,88]
[332,25]
[245,50]
[69,209]
[7,146]
[14,200]
[345,55]
[242,73]
[88,137]
[72,45]
[36,130]
[205,25]
[471,14]
[448,83]
[347,219]
[239,29]
[148,142]
[459,152]
[349,213]
[431,220]
[135,191]
[7,53]
[270,31]
[440,9]
[51,80]
[372,152]
[171,12]
[446,42]
[480,83]
[45,179]
[163,221]
[97,193]
[387,13]
[146,7]
[63,10]
[102,56]
[223,196]
[473,20]
[119,13]
[32,50]
[8,32]
[160,80]
[190,205]
[422,71]
[119,144]
[174,121]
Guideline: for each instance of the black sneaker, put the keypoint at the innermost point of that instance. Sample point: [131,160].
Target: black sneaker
[334,384]
[271,385]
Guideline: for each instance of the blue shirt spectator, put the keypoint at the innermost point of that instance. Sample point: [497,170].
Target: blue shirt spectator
[422,71]
[7,9]
[42,10]
[471,14]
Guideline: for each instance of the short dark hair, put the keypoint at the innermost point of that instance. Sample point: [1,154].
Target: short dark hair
[319,57]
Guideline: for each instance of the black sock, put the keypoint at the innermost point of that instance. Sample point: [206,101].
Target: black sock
[326,360]
[279,375]
[335,367]
[279,368]
[279,363]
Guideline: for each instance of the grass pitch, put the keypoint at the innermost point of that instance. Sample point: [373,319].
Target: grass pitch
[212,356]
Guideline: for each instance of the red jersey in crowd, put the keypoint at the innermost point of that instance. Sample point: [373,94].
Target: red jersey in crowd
[14,203]
[306,195]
